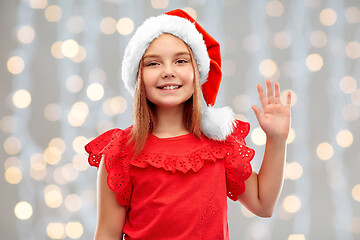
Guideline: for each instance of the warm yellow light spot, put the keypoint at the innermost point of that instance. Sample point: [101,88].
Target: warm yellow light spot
[324,151]
[75,24]
[283,97]
[274,8]
[293,171]
[56,230]
[348,84]
[73,202]
[53,196]
[241,103]
[7,124]
[328,17]
[15,65]
[125,26]
[192,12]
[352,50]
[12,145]
[38,4]
[228,68]
[26,34]
[58,143]
[344,138]
[314,62]
[108,25]
[52,112]
[13,175]
[116,105]
[80,162]
[318,39]
[38,174]
[69,172]
[355,97]
[258,136]
[282,40]
[58,176]
[352,15]
[268,68]
[291,204]
[80,56]
[23,210]
[95,91]
[74,230]
[355,225]
[74,83]
[356,192]
[291,136]
[53,13]
[21,98]
[296,237]
[79,143]
[56,50]
[246,212]
[12,162]
[78,114]
[37,162]
[350,112]
[159,4]
[70,48]
[52,155]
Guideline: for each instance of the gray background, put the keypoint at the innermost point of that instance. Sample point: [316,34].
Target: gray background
[328,209]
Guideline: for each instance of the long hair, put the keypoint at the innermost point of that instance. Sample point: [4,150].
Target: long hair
[145,111]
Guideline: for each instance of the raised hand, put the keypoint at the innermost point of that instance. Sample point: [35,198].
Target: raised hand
[274,118]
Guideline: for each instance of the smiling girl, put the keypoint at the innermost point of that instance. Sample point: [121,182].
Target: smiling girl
[169,174]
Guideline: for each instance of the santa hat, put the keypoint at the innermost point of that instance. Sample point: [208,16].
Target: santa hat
[217,123]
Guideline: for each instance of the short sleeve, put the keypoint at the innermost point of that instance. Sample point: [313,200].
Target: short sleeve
[113,146]
[237,161]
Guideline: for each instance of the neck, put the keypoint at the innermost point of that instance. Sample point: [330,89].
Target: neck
[170,122]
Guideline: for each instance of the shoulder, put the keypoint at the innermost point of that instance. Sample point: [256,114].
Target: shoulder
[105,143]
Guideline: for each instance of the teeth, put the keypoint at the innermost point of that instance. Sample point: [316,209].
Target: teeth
[170,87]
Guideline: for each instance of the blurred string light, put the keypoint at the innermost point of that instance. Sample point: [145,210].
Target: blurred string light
[15,65]
[159,4]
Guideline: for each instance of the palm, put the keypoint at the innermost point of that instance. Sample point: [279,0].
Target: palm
[274,118]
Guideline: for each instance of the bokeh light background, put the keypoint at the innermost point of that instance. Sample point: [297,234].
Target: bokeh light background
[60,67]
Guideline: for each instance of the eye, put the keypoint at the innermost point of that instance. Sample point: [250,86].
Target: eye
[152,64]
[181,61]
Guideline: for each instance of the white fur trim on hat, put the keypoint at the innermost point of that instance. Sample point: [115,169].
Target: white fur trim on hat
[152,28]
[217,123]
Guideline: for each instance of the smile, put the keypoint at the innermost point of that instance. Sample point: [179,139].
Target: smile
[171,87]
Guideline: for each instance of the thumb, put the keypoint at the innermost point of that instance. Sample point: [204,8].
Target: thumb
[257,112]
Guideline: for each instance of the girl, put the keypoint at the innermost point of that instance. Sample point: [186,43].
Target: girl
[168,175]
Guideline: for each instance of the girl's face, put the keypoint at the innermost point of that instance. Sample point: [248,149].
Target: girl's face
[168,72]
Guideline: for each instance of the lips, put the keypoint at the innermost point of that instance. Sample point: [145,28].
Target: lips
[169,86]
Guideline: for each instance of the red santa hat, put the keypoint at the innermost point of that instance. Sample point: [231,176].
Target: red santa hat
[217,123]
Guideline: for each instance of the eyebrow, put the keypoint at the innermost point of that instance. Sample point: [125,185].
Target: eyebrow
[155,56]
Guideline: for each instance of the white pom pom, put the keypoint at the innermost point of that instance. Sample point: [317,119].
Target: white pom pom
[217,123]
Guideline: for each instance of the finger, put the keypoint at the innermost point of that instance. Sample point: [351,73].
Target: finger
[277,92]
[288,100]
[263,101]
[269,92]
[257,112]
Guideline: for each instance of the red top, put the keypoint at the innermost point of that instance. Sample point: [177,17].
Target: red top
[176,187]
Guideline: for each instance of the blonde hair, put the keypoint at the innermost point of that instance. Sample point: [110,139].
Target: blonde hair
[145,111]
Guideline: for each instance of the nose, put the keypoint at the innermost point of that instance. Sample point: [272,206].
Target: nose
[168,72]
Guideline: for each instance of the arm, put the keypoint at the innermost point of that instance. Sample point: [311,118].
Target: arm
[111,215]
[263,189]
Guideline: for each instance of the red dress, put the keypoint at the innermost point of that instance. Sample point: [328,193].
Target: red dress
[176,187]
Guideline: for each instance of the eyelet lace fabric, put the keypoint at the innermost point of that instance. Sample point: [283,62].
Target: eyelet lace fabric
[118,157]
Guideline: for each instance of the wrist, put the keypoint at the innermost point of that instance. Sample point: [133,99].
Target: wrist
[278,140]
